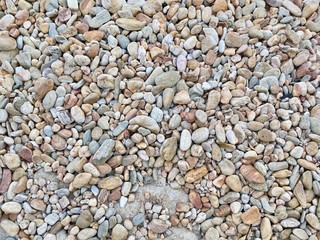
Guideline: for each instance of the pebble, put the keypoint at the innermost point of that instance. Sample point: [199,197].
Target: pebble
[110,183]
[200,135]
[104,152]
[77,114]
[158,226]
[7,43]
[185,140]
[12,160]
[3,115]
[233,39]
[119,232]
[9,227]
[11,208]
[227,167]
[251,216]
[290,223]
[168,79]
[85,219]
[86,233]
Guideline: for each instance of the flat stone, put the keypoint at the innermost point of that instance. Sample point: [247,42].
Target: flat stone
[252,216]
[138,219]
[290,223]
[130,24]
[77,114]
[234,183]
[86,233]
[103,229]
[110,183]
[251,174]
[266,229]
[3,115]
[312,220]
[169,148]
[49,100]
[52,218]
[58,142]
[11,208]
[158,226]
[104,152]
[294,9]
[168,79]
[73,4]
[196,174]
[101,18]
[81,180]
[146,122]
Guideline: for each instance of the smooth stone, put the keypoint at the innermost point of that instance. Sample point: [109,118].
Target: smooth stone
[158,226]
[12,160]
[85,219]
[138,219]
[49,100]
[185,140]
[226,167]
[77,114]
[212,234]
[110,183]
[103,229]
[146,122]
[251,216]
[169,148]
[81,180]
[119,232]
[7,43]
[3,115]
[130,24]
[52,218]
[86,234]
[11,208]
[290,223]
[200,135]
[168,79]
[11,228]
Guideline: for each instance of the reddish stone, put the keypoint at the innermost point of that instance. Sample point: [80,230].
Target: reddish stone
[115,195]
[195,199]
[25,153]
[5,181]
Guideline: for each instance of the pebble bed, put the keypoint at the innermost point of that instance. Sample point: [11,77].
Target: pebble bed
[160,119]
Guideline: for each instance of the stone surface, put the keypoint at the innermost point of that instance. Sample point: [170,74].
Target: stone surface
[251,216]
[104,153]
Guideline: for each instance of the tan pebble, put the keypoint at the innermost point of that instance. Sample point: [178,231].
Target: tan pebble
[110,183]
[196,174]
[220,5]
[234,183]
[251,216]
[81,180]
[182,97]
